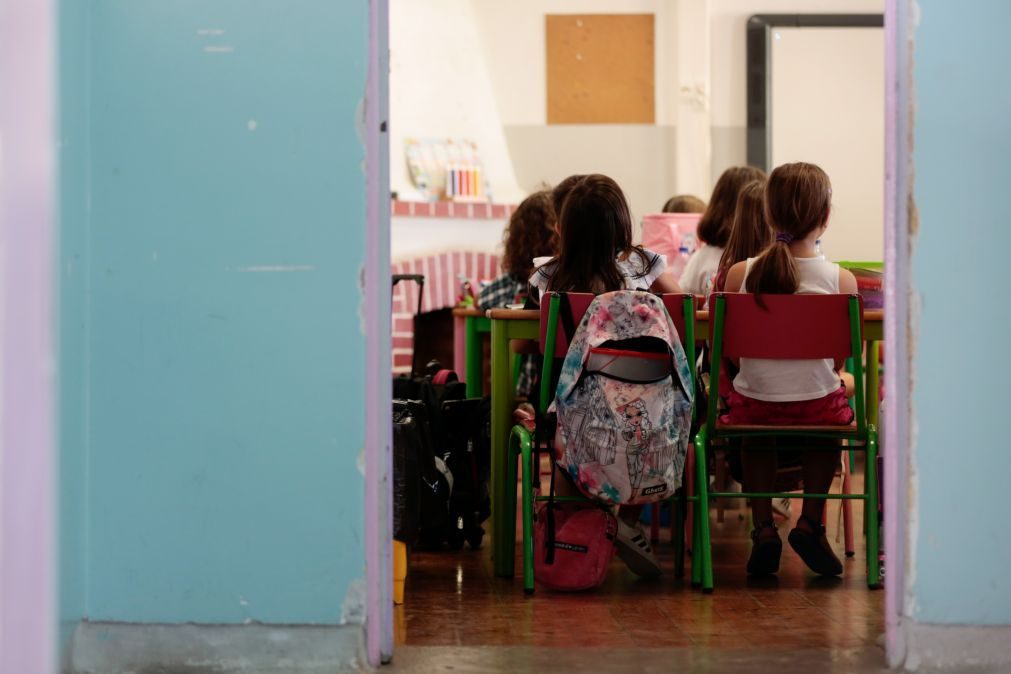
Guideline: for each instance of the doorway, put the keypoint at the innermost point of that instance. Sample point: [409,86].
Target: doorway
[381,616]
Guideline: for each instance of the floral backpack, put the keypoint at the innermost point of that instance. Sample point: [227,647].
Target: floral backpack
[624,401]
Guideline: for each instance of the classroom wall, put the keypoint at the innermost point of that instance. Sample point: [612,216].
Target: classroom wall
[961,147]
[478,70]
[212,237]
[440,87]
[644,158]
[728,64]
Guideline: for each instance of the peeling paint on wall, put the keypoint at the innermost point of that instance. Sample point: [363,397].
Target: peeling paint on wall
[353,609]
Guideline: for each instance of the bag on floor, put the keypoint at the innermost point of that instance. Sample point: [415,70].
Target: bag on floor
[433,388]
[407,450]
[468,456]
[435,482]
[624,401]
[573,548]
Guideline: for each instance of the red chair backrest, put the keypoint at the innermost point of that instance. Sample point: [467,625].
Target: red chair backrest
[674,302]
[580,302]
[788,327]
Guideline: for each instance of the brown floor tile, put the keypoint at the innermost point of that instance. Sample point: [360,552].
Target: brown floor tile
[454,601]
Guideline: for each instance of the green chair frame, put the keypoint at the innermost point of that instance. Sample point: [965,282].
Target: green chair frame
[521,440]
[863,436]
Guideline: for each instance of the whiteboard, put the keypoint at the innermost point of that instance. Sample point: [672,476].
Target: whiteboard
[827,105]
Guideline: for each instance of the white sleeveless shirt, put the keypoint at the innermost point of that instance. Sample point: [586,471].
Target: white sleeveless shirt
[790,380]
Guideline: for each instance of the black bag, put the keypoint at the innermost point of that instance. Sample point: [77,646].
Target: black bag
[434,481]
[468,455]
[432,388]
[407,450]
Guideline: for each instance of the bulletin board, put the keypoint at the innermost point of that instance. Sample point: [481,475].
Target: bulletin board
[600,68]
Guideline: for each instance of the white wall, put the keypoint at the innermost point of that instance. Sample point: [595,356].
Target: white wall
[440,87]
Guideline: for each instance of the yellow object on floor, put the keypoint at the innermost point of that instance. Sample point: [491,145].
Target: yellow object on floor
[399,571]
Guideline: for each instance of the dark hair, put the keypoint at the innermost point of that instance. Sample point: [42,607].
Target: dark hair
[596,229]
[750,233]
[562,190]
[798,198]
[532,232]
[684,203]
[714,227]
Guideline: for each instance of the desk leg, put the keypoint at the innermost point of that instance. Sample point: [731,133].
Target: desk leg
[460,345]
[503,466]
[473,375]
[873,368]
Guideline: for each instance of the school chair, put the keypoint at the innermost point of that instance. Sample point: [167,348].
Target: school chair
[785,327]
[554,343]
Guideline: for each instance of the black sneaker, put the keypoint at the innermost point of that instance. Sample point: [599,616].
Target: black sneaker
[814,549]
[765,552]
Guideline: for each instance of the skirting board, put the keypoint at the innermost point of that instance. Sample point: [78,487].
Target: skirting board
[958,647]
[124,648]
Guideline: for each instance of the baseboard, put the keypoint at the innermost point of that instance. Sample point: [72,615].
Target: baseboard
[125,648]
[965,647]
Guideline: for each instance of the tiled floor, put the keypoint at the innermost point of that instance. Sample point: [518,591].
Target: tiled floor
[453,600]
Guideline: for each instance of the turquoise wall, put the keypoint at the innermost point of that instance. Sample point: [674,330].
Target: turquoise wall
[211,354]
[962,157]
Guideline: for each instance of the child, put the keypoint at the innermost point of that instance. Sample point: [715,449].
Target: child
[684,203]
[714,229]
[797,205]
[750,233]
[596,255]
[596,252]
[532,232]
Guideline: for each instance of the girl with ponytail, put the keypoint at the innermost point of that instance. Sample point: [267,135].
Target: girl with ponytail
[798,201]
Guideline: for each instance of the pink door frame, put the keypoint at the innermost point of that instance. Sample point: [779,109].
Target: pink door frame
[27,468]
[899,28]
[378,329]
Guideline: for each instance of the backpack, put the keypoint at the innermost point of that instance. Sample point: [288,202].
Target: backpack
[624,428]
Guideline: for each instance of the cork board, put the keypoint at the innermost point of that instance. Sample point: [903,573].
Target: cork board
[600,68]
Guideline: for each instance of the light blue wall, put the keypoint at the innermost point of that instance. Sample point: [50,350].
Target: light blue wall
[962,262]
[213,237]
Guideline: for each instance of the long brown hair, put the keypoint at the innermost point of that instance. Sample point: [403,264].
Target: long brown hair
[532,232]
[798,198]
[562,190]
[714,227]
[750,233]
[596,229]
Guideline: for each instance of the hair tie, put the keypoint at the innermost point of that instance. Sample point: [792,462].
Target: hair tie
[784,237]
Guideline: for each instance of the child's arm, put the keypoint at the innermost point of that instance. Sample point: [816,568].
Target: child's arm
[665,283]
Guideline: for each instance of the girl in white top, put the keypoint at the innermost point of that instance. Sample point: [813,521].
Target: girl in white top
[713,229]
[797,205]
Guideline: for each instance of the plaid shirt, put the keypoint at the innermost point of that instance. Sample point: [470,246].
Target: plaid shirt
[496,295]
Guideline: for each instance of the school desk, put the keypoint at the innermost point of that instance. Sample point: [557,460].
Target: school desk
[468,326]
[510,324]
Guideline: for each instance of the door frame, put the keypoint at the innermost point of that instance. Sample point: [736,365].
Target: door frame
[898,26]
[28,475]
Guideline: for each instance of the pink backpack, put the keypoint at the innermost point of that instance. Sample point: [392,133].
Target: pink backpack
[573,549]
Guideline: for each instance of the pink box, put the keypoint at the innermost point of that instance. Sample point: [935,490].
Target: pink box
[663,233]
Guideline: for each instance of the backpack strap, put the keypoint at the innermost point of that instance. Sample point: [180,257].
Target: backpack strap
[565,313]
